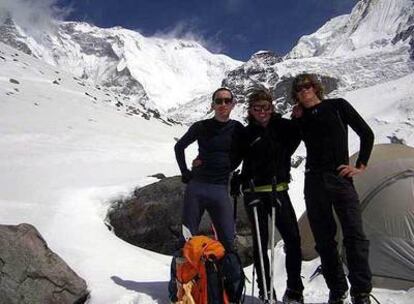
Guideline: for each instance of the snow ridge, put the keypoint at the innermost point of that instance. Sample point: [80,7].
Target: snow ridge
[158,73]
[371,25]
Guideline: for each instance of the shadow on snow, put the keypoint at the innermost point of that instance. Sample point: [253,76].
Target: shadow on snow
[158,291]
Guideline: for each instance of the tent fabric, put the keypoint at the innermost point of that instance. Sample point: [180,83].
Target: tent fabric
[386,191]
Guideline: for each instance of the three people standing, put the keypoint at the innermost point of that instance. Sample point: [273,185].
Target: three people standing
[265,145]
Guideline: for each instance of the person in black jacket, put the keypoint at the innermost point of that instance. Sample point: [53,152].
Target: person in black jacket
[328,184]
[267,145]
[207,183]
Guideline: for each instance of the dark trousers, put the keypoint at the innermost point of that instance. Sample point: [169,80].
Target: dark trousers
[322,192]
[215,199]
[287,225]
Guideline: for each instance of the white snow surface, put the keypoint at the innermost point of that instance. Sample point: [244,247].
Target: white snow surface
[66,156]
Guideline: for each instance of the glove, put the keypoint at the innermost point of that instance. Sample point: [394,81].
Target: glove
[186,176]
[235,184]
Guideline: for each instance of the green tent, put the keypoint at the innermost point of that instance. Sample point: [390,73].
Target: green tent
[386,191]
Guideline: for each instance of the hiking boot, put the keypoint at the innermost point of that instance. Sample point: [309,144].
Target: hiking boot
[338,297]
[361,298]
[292,297]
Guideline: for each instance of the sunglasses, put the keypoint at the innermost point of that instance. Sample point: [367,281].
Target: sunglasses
[220,101]
[258,108]
[306,86]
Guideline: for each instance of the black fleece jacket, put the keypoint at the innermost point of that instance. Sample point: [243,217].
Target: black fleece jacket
[266,151]
[215,145]
[324,129]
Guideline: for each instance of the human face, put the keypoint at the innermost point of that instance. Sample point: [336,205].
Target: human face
[306,94]
[221,105]
[261,111]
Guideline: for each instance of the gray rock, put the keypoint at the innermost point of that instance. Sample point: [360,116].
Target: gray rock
[151,219]
[396,140]
[31,273]
[11,36]
[158,175]
[259,69]
[296,161]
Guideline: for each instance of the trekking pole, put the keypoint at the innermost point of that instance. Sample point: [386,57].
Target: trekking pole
[272,241]
[234,209]
[253,273]
[254,205]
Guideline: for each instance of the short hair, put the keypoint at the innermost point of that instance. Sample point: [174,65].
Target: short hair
[221,89]
[305,77]
[259,95]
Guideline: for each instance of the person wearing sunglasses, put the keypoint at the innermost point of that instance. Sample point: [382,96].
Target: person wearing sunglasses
[208,180]
[267,145]
[207,183]
[328,185]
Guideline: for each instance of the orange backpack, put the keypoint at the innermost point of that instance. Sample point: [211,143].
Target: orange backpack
[199,252]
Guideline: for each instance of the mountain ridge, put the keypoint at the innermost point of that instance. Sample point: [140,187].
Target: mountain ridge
[160,73]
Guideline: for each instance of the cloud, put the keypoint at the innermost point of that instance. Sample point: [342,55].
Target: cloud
[188,30]
[32,15]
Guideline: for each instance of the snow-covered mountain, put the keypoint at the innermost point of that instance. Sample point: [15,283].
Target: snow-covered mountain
[158,73]
[371,26]
[373,44]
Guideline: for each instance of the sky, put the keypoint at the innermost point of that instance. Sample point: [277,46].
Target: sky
[237,28]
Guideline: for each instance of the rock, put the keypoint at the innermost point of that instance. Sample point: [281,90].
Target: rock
[31,273]
[151,219]
[396,140]
[258,70]
[296,161]
[9,34]
[158,175]
[14,81]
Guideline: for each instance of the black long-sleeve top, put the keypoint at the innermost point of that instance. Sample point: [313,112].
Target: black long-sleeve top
[266,151]
[324,129]
[215,143]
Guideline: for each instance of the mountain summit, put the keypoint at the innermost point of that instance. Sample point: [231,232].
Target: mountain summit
[372,24]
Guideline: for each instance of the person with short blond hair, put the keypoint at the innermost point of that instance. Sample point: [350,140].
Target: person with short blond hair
[328,185]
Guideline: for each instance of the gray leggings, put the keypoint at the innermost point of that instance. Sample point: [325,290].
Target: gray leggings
[215,199]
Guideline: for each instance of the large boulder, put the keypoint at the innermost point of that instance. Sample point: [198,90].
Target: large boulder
[151,219]
[31,273]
